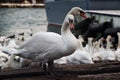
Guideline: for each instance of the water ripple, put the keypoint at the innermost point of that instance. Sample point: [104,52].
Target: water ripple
[15,20]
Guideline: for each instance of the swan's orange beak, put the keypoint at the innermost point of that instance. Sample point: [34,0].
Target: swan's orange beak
[71,26]
[82,14]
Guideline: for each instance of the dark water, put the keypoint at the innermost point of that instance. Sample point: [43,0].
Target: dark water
[15,20]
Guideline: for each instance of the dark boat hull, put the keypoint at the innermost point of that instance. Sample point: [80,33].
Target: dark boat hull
[57,9]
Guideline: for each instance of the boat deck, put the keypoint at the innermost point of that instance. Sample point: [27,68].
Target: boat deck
[110,12]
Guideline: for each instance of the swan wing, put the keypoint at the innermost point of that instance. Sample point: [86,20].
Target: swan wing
[42,42]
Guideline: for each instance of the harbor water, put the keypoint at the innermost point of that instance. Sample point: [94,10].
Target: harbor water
[17,20]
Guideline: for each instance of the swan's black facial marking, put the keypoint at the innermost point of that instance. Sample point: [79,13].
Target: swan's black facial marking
[17,60]
[82,14]
[70,21]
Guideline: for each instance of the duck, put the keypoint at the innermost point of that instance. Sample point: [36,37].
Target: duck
[45,47]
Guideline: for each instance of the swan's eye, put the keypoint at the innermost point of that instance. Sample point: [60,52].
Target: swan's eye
[70,21]
[82,14]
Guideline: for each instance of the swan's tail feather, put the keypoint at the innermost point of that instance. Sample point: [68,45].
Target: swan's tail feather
[9,51]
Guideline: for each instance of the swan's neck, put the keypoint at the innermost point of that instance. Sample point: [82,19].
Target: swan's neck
[101,44]
[65,28]
[118,41]
[80,45]
[108,45]
[98,46]
[69,39]
[95,47]
[11,59]
[90,47]
[65,31]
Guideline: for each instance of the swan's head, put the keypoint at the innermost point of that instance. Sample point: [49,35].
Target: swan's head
[78,12]
[90,38]
[3,59]
[17,59]
[70,20]
[81,38]
[118,33]
[109,38]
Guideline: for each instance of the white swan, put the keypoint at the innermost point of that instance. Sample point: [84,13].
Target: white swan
[3,60]
[109,55]
[62,60]
[48,46]
[117,52]
[89,46]
[2,38]
[12,63]
[80,55]
[9,60]
[3,57]
[12,44]
[98,51]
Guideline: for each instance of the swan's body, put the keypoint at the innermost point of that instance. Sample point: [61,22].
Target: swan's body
[62,60]
[109,54]
[12,44]
[49,49]
[12,63]
[2,38]
[80,55]
[98,51]
[48,46]
[3,57]
[89,46]
[117,52]
[6,60]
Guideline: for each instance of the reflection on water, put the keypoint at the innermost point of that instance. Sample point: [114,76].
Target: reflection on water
[15,20]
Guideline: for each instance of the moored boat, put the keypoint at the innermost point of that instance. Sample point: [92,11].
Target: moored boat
[57,9]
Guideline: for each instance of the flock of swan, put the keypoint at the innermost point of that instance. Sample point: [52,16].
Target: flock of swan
[50,47]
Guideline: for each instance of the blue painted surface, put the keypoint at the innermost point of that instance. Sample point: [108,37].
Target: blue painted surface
[57,9]
[104,5]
